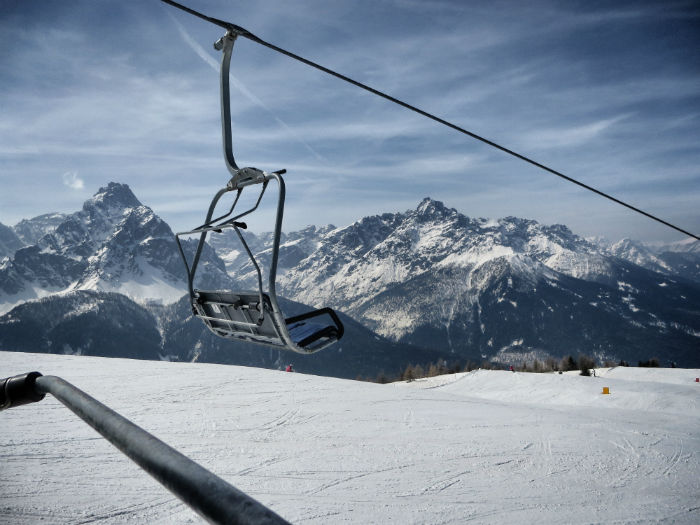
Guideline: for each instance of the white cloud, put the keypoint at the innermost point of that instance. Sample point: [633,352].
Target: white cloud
[561,137]
[71,179]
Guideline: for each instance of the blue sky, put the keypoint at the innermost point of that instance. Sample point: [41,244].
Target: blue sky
[93,91]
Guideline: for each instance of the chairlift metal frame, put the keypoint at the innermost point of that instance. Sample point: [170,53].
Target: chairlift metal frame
[251,316]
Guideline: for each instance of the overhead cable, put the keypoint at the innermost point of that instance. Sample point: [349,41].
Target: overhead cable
[239,31]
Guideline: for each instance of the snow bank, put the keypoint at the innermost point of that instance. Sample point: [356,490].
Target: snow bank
[669,391]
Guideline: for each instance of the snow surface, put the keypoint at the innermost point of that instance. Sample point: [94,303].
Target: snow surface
[148,284]
[485,446]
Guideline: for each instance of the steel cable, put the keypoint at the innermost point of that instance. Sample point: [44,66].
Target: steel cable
[237,30]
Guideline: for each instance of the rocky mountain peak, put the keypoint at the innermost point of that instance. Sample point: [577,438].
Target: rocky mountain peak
[115,197]
[113,244]
[432,208]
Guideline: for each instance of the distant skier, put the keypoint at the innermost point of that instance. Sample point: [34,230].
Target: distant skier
[511,369]
[289,368]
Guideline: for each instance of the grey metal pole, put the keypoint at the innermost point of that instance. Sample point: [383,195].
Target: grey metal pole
[207,494]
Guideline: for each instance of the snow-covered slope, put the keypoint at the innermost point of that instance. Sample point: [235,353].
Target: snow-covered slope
[376,253]
[667,391]
[487,447]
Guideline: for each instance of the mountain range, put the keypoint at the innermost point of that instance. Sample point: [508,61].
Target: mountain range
[113,244]
[418,286]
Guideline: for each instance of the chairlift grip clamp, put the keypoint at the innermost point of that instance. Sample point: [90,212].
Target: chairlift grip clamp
[219,44]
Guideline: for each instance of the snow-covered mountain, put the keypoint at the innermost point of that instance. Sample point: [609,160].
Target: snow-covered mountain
[377,253]
[676,259]
[640,254]
[431,277]
[31,230]
[114,244]
[500,289]
[687,245]
[294,247]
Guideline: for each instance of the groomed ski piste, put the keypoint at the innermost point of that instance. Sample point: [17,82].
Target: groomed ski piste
[484,446]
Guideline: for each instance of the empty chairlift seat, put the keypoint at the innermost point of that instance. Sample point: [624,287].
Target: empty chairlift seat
[239,316]
[255,316]
[251,316]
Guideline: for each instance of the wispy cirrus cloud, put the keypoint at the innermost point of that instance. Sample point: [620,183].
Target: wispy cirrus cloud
[569,136]
[201,53]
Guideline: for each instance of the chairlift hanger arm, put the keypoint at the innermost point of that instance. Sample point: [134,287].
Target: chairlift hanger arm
[225,43]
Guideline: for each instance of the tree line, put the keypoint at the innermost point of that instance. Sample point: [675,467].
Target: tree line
[583,363]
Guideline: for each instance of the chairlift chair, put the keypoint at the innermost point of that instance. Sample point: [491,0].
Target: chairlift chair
[253,316]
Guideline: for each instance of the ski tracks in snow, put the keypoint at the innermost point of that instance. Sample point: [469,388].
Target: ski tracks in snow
[484,447]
